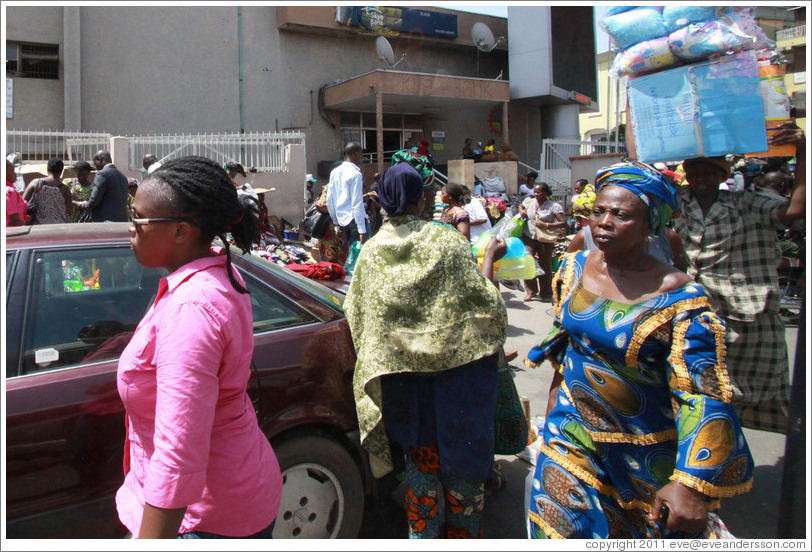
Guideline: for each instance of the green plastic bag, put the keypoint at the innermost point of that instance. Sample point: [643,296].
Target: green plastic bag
[352,257]
[510,226]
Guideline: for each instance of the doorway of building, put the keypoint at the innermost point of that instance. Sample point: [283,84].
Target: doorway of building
[392,142]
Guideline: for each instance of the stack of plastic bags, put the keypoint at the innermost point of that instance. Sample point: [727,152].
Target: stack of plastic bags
[653,38]
[517,264]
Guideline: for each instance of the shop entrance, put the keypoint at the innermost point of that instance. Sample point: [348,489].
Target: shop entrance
[392,142]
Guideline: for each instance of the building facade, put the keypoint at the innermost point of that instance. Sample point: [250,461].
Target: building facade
[149,70]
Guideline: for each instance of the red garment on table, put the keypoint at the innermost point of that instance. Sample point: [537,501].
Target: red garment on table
[323,270]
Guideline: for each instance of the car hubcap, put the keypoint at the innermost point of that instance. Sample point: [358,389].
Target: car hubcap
[312,504]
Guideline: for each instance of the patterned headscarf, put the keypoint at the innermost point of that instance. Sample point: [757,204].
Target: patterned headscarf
[648,184]
[399,186]
[420,163]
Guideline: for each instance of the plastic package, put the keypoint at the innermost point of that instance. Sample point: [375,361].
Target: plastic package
[634,26]
[352,257]
[678,16]
[692,34]
[699,41]
[515,247]
[742,18]
[515,268]
[734,30]
[649,55]
[705,109]
[619,9]
[517,264]
[773,92]
[776,103]
[509,226]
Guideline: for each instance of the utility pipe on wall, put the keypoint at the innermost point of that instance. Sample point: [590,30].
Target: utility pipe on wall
[242,105]
[72,65]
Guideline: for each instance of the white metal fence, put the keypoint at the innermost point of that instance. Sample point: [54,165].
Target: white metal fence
[38,146]
[264,151]
[556,168]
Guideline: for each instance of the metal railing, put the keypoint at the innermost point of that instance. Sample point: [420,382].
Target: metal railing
[263,151]
[556,168]
[372,156]
[38,146]
[440,179]
[793,32]
[528,167]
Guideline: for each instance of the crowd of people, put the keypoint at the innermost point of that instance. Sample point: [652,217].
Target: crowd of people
[666,323]
[106,196]
[666,341]
[488,153]
[53,200]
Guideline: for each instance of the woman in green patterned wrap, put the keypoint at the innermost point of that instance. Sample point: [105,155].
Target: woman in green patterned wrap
[428,330]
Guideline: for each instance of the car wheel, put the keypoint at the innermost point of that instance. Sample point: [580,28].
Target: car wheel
[322,495]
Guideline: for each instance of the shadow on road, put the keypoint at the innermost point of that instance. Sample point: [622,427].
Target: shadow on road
[754,515]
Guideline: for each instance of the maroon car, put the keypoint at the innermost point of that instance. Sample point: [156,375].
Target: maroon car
[74,296]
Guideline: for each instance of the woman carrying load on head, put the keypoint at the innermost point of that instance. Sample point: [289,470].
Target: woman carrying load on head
[640,437]
[428,329]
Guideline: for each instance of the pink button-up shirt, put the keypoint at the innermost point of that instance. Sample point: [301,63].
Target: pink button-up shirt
[193,435]
[15,204]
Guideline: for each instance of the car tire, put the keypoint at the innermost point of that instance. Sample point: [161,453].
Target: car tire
[323,495]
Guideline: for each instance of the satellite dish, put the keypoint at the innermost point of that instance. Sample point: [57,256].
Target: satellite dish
[483,40]
[483,37]
[385,52]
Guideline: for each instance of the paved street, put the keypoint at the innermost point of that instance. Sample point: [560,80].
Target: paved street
[504,510]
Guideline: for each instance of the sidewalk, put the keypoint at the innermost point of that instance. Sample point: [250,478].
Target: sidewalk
[753,515]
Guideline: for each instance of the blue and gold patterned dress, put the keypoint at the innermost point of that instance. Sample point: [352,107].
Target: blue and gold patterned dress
[645,399]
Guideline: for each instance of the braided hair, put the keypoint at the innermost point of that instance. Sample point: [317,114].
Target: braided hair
[199,189]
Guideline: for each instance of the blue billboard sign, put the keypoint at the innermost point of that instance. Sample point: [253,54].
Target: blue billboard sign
[393,21]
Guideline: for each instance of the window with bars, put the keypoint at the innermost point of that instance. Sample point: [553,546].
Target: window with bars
[34,61]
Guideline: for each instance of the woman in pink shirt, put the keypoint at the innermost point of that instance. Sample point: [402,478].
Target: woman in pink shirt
[196,462]
[15,204]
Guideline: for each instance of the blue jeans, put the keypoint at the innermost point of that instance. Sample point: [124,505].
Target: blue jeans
[266,533]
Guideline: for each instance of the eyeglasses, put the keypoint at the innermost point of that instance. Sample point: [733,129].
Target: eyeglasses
[137,221]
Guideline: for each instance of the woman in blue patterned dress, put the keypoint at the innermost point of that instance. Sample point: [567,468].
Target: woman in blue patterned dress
[640,438]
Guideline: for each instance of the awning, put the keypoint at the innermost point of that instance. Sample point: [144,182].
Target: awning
[390,91]
[414,93]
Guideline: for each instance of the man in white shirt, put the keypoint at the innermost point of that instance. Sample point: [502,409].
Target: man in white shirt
[345,197]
